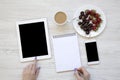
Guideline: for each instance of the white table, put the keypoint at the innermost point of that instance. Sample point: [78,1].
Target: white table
[108,42]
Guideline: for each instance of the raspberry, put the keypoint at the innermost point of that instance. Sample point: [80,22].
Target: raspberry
[87,12]
[94,28]
[93,12]
[97,15]
[94,21]
[99,20]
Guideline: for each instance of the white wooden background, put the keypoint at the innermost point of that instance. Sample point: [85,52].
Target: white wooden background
[108,42]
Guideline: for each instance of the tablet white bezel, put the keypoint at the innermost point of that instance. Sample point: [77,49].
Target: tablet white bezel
[47,39]
[92,62]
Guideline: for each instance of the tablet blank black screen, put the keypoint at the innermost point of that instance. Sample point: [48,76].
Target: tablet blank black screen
[33,39]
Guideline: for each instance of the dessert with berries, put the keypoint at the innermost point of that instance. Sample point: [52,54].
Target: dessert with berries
[89,20]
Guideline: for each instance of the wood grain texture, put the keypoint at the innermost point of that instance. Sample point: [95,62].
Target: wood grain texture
[108,42]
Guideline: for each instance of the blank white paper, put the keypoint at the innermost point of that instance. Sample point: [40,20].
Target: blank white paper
[66,52]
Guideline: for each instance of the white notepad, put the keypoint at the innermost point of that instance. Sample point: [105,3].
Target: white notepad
[66,52]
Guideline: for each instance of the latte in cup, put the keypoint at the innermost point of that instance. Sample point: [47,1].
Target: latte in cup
[60,18]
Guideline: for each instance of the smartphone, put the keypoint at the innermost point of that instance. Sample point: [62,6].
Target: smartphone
[92,52]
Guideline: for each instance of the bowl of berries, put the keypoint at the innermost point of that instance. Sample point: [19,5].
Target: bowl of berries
[89,21]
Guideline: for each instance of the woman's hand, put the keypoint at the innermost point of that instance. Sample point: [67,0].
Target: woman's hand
[31,72]
[82,74]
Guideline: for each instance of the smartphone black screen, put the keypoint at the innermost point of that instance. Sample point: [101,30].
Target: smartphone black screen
[33,39]
[92,52]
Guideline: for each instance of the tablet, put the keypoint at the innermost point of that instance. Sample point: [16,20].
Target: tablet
[33,38]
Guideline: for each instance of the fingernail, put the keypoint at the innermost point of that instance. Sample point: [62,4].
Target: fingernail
[36,58]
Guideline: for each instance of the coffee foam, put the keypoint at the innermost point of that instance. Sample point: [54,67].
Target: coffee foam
[60,17]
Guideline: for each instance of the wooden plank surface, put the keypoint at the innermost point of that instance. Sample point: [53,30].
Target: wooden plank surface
[108,42]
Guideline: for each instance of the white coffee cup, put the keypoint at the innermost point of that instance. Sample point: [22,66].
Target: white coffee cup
[60,18]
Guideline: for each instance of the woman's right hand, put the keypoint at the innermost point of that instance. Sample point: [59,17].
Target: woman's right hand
[31,71]
[82,74]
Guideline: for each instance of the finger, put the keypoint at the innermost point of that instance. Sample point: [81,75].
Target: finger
[29,68]
[34,66]
[83,70]
[80,69]
[35,61]
[37,72]
[24,70]
[33,70]
[77,75]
